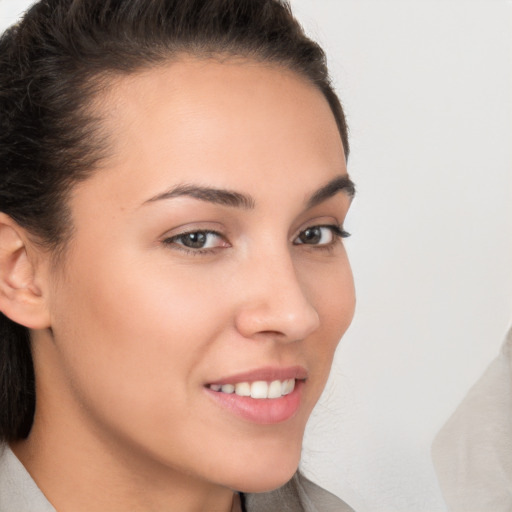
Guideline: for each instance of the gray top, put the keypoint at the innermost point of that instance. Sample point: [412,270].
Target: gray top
[19,493]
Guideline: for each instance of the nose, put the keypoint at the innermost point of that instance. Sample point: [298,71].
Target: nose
[273,303]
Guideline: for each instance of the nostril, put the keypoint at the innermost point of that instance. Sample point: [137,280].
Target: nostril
[271,333]
[272,323]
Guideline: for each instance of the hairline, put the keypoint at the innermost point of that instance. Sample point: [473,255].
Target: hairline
[99,86]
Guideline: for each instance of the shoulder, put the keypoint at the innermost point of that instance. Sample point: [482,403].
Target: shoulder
[17,489]
[298,495]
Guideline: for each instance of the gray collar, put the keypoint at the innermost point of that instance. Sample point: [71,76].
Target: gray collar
[18,491]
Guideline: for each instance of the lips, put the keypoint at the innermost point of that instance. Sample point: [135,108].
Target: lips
[266,396]
[267,374]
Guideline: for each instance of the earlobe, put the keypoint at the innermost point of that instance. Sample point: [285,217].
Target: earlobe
[21,298]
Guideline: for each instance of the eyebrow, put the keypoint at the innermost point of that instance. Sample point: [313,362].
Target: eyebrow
[208,194]
[245,201]
[338,184]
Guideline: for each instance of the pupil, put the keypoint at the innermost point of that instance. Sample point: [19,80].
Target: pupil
[311,235]
[194,240]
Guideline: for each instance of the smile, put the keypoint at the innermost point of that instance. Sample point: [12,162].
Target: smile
[259,389]
[266,396]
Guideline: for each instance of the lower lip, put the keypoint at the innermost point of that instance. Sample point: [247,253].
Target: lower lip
[265,411]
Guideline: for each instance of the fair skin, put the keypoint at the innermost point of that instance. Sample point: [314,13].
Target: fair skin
[131,331]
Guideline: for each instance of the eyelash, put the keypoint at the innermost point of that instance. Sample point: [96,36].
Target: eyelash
[336,230]
[172,241]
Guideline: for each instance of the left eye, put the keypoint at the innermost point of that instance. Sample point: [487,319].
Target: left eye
[319,235]
[197,240]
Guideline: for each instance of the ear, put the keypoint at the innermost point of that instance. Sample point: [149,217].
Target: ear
[21,297]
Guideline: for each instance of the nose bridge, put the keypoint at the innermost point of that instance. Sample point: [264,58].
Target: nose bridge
[274,299]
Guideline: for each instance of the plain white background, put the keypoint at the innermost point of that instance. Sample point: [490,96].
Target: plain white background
[427,89]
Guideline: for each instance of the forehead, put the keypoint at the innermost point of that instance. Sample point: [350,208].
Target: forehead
[226,121]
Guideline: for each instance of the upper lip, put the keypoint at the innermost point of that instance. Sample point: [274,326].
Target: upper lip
[267,373]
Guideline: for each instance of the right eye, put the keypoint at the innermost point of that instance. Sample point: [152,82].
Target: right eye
[199,241]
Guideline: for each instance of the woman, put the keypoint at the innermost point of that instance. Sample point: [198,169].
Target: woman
[173,280]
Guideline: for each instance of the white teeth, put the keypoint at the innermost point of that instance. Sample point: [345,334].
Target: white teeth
[259,389]
[288,386]
[243,389]
[228,388]
[274,390]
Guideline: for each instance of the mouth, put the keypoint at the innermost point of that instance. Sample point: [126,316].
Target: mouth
[265,396]
[259,389]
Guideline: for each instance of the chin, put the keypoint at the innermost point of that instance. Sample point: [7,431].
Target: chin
[266,476]
[264,483]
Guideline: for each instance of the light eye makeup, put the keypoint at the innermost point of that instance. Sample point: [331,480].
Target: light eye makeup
[205,241]
[321,235]
[198,241]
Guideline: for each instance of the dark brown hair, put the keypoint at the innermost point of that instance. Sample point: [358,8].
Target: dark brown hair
[55,61]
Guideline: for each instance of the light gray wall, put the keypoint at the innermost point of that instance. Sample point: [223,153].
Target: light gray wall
[427,87]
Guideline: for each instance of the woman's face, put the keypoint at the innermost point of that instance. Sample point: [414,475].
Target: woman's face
[205,253]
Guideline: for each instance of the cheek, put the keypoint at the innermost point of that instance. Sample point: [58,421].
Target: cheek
[331,289]
[131,337]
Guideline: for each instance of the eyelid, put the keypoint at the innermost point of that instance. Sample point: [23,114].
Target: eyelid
[172,240]
[192,227]
[176,238]
[337,231]
[323,222]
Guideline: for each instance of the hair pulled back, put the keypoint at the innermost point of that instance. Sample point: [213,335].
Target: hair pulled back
[53,64]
